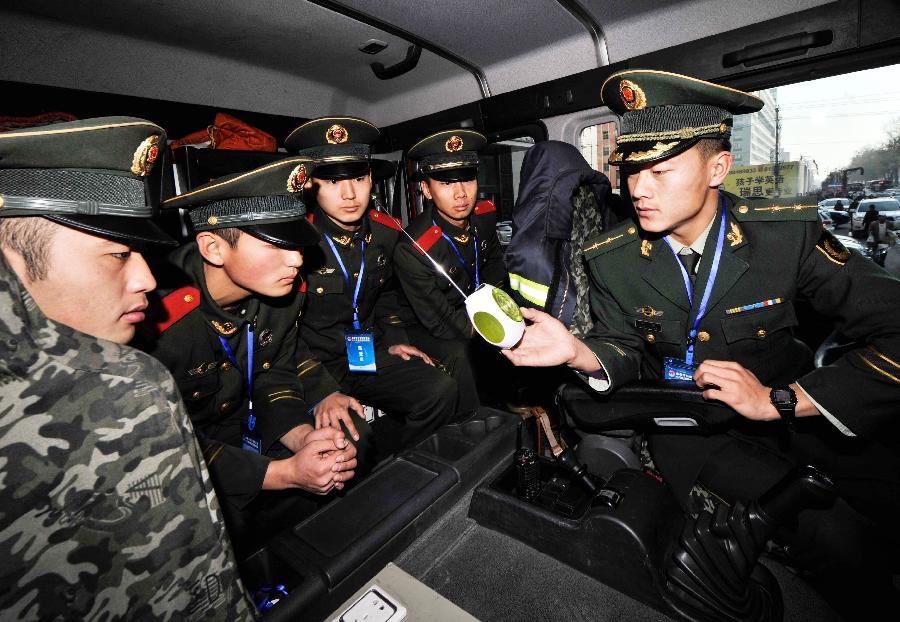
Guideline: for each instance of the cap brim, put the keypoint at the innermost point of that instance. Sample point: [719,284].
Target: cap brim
[646,152]
[294,233]
[119,227]
[467,173]
[342,170]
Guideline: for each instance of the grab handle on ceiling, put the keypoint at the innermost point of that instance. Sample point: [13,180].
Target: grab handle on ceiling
[777,49]
[406,65]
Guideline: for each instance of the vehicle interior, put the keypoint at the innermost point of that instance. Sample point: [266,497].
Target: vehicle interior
[447,512]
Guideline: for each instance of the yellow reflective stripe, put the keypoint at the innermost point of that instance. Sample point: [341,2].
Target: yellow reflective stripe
[531,291]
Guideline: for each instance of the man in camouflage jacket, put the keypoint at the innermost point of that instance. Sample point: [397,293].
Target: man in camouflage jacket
[107,510]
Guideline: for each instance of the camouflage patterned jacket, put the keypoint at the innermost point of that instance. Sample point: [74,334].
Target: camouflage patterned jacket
[106,509]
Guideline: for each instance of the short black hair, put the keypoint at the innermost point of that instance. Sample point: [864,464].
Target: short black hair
[30,237]
[708,147]
[229,234]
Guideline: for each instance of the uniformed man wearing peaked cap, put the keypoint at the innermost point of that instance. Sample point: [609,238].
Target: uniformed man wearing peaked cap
[341,147]
[99,457]
[353,296]
[460,234]
[226,326]
[708,287]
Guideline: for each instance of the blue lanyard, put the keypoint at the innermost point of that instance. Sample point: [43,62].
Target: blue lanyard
[462,262]
[713,273]
[251,420]
[362,267]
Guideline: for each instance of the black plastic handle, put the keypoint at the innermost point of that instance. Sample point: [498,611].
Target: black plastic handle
[776,49]
[413,53]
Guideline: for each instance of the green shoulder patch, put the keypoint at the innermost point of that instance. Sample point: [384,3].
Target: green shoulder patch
[750,210]
[609,240]
[832,248]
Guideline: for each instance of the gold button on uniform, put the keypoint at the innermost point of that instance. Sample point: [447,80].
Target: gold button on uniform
[267,365]
[320,290]
[1,201]
[212,220]
[196,395]
[224,406]
[225,366]
[631,230]
[743,209]
[703,335]
[651,337]
[761,333]
[188,298]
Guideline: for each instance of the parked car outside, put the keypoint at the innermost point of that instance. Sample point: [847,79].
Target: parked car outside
[825,217]
[504,232]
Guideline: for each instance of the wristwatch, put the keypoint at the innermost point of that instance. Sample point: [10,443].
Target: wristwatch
[784,399]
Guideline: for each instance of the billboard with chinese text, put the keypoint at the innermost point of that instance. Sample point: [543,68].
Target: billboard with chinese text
[759,180]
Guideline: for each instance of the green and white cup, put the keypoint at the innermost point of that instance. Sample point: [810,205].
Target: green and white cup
[496,316]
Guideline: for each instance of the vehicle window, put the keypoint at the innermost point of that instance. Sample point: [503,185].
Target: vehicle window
[499,172]
[597,142]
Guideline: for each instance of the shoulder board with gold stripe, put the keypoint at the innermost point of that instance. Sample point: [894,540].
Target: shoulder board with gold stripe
[172,308]
[427,239]
[384,219]
[485,206]
[760,210]
[610,240]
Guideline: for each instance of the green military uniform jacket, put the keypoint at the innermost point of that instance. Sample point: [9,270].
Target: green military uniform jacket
[435,303]
[183,331]
[775,254]
[328,313]
[106,511]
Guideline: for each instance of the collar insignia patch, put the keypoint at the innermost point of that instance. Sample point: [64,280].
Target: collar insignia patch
[735,236]
[225,328]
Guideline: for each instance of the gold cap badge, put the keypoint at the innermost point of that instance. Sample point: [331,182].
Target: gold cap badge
[336,134]
[632,95]
[145,156]
[454,143]
[297,178]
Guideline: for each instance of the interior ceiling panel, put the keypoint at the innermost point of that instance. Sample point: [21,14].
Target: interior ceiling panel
[641,26]
[516,44]
[286,57]
[296,58]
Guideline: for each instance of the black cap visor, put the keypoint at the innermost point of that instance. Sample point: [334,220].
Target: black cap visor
[467,173]
[380,169]
[125,228]
[294,233]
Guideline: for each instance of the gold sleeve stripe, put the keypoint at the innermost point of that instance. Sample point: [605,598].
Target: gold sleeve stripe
[883,357]
[285,391]
[308,368]
[287,397]
[878,369]
[215,455]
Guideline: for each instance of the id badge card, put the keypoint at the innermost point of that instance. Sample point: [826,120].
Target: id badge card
[251,443]
[360,351]
[678,371]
